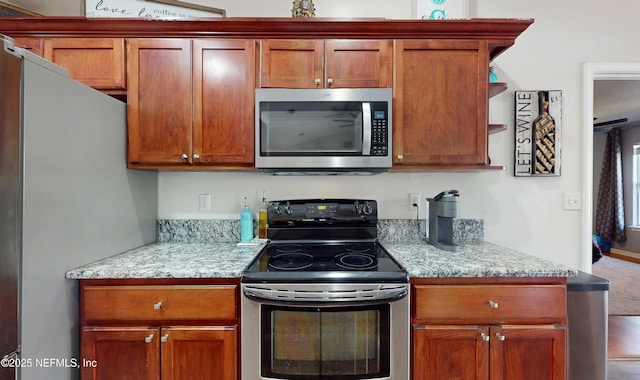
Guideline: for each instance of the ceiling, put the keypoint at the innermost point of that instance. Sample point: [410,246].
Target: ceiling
[616,99]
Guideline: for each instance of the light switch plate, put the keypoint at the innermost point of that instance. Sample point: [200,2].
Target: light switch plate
[571,201]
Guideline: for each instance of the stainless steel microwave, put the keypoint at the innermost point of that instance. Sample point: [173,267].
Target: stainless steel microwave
[323,131]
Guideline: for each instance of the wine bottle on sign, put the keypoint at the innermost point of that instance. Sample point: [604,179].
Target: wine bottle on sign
[543,137]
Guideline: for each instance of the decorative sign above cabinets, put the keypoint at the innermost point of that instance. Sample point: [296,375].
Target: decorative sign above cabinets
[162,9]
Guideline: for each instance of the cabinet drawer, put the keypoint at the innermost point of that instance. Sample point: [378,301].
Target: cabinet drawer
[490,303]
[161,302]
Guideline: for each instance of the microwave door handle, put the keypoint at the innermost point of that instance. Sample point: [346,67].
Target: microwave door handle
[366,129]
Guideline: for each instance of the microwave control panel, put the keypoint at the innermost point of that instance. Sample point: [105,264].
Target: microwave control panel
[380,129]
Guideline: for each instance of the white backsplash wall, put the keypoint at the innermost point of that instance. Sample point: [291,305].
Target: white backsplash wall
[179,192]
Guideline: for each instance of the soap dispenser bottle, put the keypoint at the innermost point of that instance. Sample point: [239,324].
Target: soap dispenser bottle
[246,223]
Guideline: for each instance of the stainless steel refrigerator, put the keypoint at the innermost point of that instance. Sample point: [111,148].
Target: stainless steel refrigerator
[66,199]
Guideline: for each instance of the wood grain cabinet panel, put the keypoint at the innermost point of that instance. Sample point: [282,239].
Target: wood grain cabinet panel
[450,352]
[223,101]
[159,329]
[491,303]
[159,302]
[203,353]
[348,63]
[441,104]
[120,353]
[191,103]
[33,44]
[159,101]
[96,62]
[489,332]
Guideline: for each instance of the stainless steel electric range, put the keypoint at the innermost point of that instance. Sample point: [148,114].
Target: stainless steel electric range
[324,299]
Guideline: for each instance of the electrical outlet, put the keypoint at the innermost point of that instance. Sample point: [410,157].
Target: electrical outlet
[205,202]
[414,201]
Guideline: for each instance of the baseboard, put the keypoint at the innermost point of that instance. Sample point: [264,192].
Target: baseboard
[625,255]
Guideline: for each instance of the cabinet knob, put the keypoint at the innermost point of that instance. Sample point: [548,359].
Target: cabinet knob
[484,337]
[149,339]
[500,337]
[164,338]
[399,157]
[318,82]
[329,81]
[157,306]
[196,156]
[184,156]
[493,305]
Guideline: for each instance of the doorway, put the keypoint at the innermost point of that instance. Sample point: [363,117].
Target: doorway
[617,330]
[592,72]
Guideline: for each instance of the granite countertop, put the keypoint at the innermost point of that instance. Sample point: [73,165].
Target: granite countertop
[473,259]
[172,260]
[227,260]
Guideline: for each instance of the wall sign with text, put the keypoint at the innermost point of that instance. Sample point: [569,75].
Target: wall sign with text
[538,123]
[162,9]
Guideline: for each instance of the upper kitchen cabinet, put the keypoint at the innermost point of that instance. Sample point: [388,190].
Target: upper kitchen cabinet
[159,101]
[326,63]
[190,103]
[441,108]
[96,62]
[190,85]
[33,44]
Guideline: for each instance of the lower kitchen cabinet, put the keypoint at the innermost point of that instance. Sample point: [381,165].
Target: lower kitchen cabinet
[171,329]
[501,331]
[489,352]
[186,352]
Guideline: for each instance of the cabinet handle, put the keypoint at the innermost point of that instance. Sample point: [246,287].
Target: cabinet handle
[148,339]
[184,156]
[157,306]
[500,337]
[493,305]
[318,82]
[484,337]
[164,338]
[196,156]
[329,81]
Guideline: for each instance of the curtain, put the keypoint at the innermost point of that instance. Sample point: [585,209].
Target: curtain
[610,203]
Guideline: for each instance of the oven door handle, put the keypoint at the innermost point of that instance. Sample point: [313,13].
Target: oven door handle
[360,296]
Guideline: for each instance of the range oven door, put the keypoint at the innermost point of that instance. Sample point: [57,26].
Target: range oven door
[343,339]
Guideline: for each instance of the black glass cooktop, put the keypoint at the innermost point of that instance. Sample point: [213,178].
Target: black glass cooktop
[324,262]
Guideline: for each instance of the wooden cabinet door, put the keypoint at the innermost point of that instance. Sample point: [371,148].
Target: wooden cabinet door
[440,113]
[120,353]
[159,94]
[535,352]
[450,352]
[96,62]
[358,63]
[224,88]
[292,63]
[199,353]
[33,44]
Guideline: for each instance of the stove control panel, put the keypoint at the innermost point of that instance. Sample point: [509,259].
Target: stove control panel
[319,210]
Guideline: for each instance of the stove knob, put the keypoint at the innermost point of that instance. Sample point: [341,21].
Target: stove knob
[287,208]
[367,209]
[356,208]
[276,208]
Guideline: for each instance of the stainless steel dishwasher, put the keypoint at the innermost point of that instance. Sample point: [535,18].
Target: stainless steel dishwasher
[587,309]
